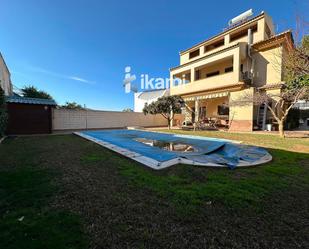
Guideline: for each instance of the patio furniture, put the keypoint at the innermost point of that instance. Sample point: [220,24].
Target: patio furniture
[206,124]
[213,122]
[222,121]
[187,125]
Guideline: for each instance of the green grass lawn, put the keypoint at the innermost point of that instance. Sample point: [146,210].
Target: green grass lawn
[27,220]
[65,192]
[263,140]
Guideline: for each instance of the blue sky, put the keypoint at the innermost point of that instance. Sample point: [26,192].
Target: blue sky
[77,50]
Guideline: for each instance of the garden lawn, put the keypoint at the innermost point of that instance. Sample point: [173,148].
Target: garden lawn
[263,140]
[65,192]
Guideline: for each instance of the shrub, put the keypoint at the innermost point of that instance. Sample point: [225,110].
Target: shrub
[3,113]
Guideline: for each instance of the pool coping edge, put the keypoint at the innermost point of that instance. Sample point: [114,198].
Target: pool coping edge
[157,165]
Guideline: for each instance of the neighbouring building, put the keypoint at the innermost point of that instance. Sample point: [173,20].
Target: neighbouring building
[5,78]
[141,98]
[216,75]
[303,110]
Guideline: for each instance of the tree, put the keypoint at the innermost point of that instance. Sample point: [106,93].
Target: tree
[296,61]
[127,110]
[281,103]
[33,92]
[3,113]
[72,105]
[166,106]
[296,86]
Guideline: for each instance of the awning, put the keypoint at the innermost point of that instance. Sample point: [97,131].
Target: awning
[207,96]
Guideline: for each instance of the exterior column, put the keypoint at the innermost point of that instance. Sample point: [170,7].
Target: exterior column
[236,64]
[226,39]
[264,118]
[171,80]
[197,110]
[188,113]
[192,74]
[241,111]
[202,50]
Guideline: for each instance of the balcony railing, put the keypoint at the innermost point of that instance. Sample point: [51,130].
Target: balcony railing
[205,84]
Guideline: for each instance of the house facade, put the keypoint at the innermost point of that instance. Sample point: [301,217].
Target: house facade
[5,78]
[218,77]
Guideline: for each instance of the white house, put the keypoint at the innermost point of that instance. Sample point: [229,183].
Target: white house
[141,98]
[5,78]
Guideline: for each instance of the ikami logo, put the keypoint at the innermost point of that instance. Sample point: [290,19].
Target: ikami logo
[128,79]
[147,82]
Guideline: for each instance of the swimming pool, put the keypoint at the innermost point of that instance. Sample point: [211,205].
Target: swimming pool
[160,150]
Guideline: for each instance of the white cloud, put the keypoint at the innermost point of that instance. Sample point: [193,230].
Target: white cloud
[63,76]
[81,79]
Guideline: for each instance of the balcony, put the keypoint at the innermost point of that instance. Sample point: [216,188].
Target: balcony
[215,71]
[206,84]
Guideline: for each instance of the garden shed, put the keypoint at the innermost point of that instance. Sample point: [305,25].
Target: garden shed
[29,115]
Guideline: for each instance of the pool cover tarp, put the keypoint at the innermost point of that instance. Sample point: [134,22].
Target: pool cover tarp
[208,150]
[125,139]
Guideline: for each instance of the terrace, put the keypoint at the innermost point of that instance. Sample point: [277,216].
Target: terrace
[209,73]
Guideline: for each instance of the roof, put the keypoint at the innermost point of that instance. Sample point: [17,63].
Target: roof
[31,101]
[278,85]
[225,31]
[147,95]
[275,39]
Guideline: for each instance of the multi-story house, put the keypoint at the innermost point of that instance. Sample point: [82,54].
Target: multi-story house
[5,78]
[216,77]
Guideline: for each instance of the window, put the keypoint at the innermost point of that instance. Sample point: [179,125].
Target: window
[223,110]
[212,74]
[187,78]
[214,45]
[228,69]
[180,79]
[241,67]
[194,53]
[202,113]
[197,75]
[242,33]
